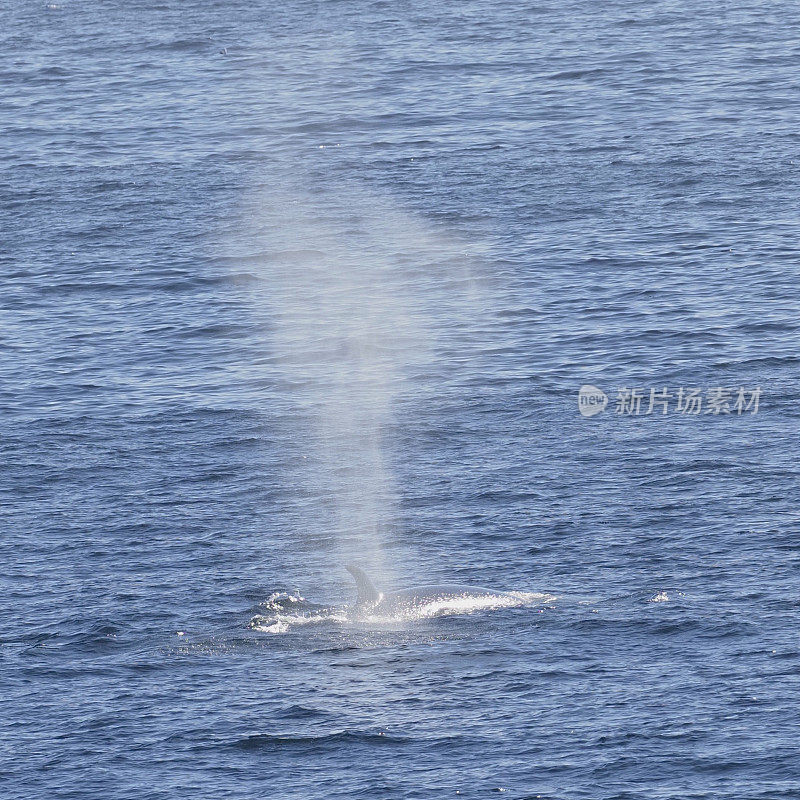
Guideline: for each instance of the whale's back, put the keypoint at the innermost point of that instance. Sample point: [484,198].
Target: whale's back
[439,592]
[427,600]
[438,597]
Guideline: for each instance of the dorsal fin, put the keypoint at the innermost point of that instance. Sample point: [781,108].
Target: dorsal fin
[367,593]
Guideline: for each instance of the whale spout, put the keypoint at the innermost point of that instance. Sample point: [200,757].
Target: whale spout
[367,593]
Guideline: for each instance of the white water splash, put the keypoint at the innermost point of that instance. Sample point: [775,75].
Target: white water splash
[282,623]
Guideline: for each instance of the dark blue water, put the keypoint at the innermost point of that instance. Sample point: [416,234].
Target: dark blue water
[288,285]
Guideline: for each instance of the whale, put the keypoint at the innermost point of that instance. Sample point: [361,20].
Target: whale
[283,612]
[429,600]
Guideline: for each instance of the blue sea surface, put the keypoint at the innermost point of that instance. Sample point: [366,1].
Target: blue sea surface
[289,285]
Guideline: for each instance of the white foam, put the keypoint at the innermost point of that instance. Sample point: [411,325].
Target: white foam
[282,623]
[280,599]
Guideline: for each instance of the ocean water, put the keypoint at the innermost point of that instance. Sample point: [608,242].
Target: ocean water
[286,286]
